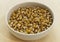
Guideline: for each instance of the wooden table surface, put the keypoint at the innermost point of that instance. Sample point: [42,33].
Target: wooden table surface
[6,36]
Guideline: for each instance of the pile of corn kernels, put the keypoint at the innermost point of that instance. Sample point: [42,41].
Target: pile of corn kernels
[30,20]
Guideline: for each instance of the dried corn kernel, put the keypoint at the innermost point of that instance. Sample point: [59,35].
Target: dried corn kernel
[30,20]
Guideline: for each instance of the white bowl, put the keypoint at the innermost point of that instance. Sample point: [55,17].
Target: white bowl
[27,36]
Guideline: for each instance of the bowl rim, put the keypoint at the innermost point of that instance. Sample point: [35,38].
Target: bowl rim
[24,33]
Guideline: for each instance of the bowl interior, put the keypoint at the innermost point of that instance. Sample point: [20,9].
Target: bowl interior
[27,4]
